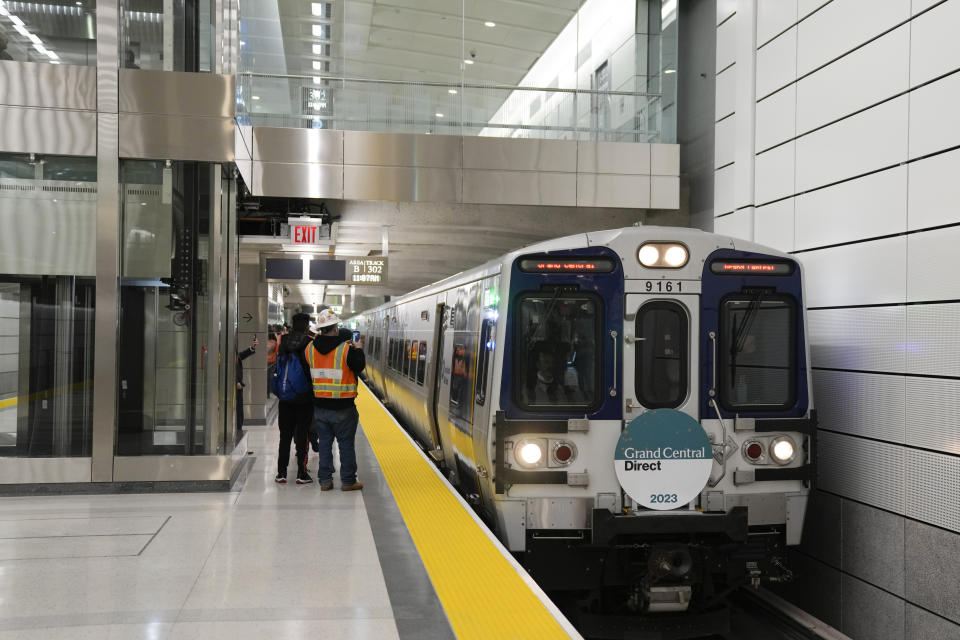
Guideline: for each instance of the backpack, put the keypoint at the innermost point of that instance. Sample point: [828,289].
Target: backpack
[289,380]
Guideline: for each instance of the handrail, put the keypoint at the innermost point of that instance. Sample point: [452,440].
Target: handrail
[504,87]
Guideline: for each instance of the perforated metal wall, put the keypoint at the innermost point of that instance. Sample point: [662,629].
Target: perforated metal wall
[932,488]
[868,339]
[864,404]
[871,472]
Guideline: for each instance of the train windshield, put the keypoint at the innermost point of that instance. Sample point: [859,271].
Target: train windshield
[757,352]
[558,360]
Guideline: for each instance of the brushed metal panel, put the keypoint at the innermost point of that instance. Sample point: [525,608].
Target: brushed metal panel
[934,481]
[402,149]
[177,93]
[403,184]
[48,131]
[27,84]
[273,144]
[243,143]
[108,27]
[519,154]
[614,157]
[42,470]
[933,406]
[172,468]
[297,180]
[519,187]
[605,190]
[863,404]
[864,470]
[256,309]
[868,339]
[176,137]
[60,238]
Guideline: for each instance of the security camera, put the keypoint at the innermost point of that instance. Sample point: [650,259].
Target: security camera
[473,53]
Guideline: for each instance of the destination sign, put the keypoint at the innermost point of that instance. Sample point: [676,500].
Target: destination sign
[334,270]
[741,267]
[561,264]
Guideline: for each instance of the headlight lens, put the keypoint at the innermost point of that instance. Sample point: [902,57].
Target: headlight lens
[783,450]
[529,453]
[663,255]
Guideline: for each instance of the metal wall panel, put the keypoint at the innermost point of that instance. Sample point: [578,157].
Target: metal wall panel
[297,180]
[177,93]
[172,468]
[664,192]
[402,150]
[864,470]
[862,404]
[868,339]
[867,273]
[48,131]
[44,470]
[403,184]
[296,145]
[28,84]
[519,154]
[605,190]
[934,484]
[519,187]
[933,333]
[934,409]
[614,157]
[176,137]
[931,262]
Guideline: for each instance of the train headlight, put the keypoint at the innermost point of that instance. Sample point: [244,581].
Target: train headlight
[663,255]
[529,453]
[783,450]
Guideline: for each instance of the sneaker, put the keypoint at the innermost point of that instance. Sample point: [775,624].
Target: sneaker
[356,486]
[326,486]
[304,478]
[282,479]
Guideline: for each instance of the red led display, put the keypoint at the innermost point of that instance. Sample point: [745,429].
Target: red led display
[751,268]
[550,264]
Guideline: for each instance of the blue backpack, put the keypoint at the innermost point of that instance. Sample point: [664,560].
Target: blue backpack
[289,380]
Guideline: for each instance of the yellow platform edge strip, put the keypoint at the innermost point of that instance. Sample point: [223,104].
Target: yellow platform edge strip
[484,592]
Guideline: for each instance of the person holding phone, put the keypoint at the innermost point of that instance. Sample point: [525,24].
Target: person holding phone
[240,357]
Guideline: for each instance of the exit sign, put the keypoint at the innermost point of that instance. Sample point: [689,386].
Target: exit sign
[304,233]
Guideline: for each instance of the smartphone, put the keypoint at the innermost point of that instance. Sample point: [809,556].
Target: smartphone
[356,336]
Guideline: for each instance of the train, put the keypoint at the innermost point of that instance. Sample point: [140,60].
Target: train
[629,410]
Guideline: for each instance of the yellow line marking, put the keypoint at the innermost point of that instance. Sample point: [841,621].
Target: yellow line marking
[9,402]
[483,594]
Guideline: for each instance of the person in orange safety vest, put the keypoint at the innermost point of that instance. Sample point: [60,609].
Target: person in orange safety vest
[336,362]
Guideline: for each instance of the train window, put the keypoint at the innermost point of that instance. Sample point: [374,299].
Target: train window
[662,355]
[459,377]
[405,363]
[558,351]
[414,357]
[393,353]
[483,363]
[422,363]
[757,352]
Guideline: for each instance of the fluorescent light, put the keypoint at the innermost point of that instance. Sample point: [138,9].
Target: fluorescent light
[489,23]
[468,61]
[318,30]
[317,79]
[42,49]
[22,30]
[439,115]
[669,70]
[317,49]
[3,11]
[243,43]
[256,97]
[317,65]
[452,92]
[34,39]
[51,55]
[16,20]
[317,8]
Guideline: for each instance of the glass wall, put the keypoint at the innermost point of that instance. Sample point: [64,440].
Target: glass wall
[161,35]
[48,212]
[165,347]
[564,69]
[50,32]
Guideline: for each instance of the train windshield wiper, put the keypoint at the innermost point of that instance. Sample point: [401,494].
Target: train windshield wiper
[740,333]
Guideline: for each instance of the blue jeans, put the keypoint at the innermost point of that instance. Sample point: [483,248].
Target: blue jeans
[342,425]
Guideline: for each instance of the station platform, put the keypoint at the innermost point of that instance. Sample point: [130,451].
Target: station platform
[405,558]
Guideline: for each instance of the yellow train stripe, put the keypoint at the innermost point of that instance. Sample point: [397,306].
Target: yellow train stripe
[483,591]
[9,402]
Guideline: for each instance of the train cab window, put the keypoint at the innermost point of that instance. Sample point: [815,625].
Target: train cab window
[558,351]
[414,357]
[422,363]
[661,355]
[483,363]
[757,352]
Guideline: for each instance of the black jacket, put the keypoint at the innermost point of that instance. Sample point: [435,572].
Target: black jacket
[355,360]
[296,343]
[243,355]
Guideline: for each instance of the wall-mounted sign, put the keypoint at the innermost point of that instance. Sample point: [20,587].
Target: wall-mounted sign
[333,270]
[307,231]
[367,270]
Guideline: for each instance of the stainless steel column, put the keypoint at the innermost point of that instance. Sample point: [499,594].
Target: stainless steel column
[108,232]
[215,274]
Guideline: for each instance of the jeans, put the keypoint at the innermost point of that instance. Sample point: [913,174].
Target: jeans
[342,425]
[295,422]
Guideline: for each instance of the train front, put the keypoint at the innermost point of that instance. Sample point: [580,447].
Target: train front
[653,448]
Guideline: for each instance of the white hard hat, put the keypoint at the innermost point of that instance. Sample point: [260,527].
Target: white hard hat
[328,318]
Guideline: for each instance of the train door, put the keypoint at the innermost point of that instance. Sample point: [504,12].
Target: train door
[660,354]
[443,356]
[436,371]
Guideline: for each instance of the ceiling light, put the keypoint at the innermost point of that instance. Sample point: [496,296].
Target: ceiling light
[669,70]
[439,115]
[489,23]
[452,92]
[318,30]
[317,65]
[318,49]
[33,38]
[243,43]
[256,97]
[317,79]
[16,20]
[317,8]
[468,61]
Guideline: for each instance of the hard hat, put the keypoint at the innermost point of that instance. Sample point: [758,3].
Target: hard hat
[328,318]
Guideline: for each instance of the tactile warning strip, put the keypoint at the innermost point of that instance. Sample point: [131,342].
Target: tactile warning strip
[484,594]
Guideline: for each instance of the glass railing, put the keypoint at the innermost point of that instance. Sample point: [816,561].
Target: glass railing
[356,104]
